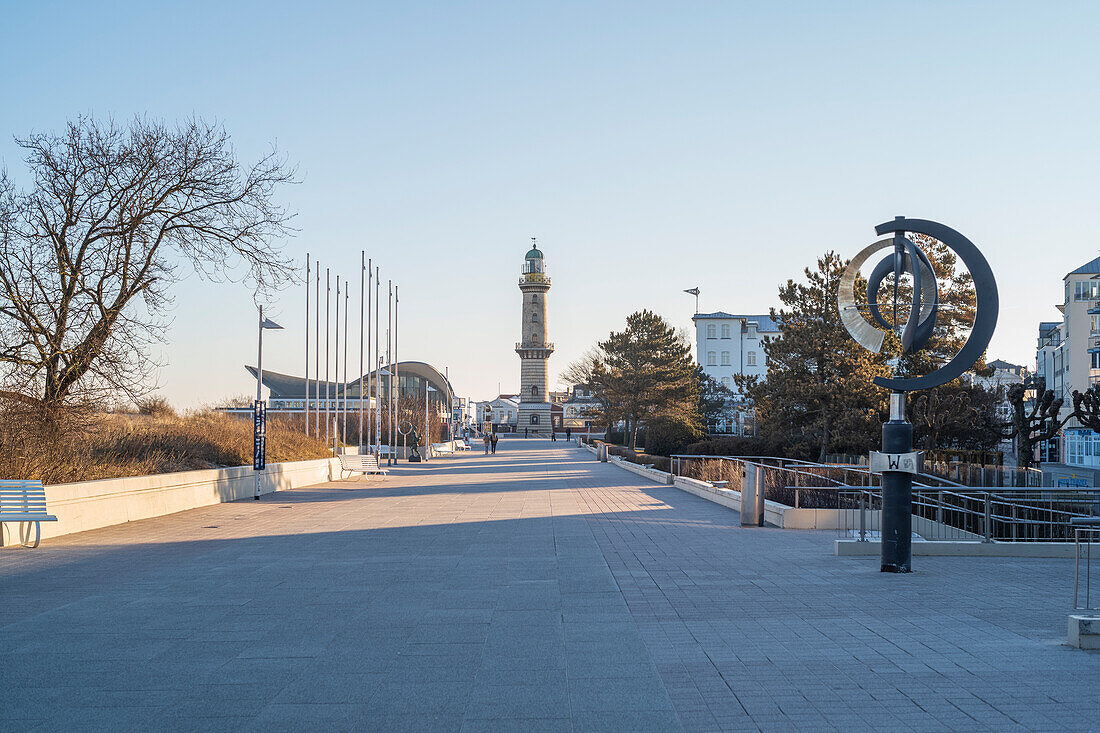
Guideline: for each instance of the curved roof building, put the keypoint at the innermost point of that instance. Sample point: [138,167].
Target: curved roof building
[289,392]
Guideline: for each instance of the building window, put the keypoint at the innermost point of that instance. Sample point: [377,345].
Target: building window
[712,358]
[534,390]
[534,298]
[725,330]
[712,331]
[534,419]
[1087,290]
[534,317]
[725,358]
[726,382]
[750,358]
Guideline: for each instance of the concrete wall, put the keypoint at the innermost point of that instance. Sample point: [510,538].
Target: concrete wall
[92,504]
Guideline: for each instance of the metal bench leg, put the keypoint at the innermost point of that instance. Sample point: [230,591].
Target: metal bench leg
[25,533]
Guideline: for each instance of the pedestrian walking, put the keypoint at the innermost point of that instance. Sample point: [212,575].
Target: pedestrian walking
[525,433]
[553,436]
[494,443]
[568,433]
[486,439]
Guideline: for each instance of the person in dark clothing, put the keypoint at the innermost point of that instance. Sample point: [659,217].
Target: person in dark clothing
[568,433]
[553,436]
[487,440]
[494,442]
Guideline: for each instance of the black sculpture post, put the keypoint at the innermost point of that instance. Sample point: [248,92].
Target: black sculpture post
[897,491]
[898,462]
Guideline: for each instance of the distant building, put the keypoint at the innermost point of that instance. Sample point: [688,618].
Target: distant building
[1004,376]
[728,345]
[503,413]
[581,410]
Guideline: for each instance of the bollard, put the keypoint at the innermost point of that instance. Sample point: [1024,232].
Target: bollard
[752,496]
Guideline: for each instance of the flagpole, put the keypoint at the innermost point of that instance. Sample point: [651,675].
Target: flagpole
[389,368]
[328,395]
[362,308]
[377,361]
[317,355]
[343,424]
[307,342]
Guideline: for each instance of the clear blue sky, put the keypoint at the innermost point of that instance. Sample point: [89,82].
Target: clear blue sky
[651,147]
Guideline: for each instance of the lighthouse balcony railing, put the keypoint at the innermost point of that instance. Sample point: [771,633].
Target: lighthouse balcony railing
[547,345]
[534,277]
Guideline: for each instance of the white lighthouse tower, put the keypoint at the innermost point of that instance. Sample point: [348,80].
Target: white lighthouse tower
[533,349]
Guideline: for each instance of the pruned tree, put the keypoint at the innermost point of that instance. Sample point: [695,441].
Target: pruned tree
[1032,423]
[115,215]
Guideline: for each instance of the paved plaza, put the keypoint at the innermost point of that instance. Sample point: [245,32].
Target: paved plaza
[532,590]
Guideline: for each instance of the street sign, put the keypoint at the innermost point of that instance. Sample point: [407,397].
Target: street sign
[912,462]
[259,436]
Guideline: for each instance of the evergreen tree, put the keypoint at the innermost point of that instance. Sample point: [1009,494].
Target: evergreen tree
[818,396]
[644,372]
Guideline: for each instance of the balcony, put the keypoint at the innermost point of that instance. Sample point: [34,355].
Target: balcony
[535,278]
[547,346]
[1094,344]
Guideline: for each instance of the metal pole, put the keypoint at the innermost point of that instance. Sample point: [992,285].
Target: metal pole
[328,300]
[988,518]
[336,376]
[317,356]
[377,361]
[362,330]
[396,360]
[344,424]
[307,343]
[260,355]
[259,382]
[389,382]
[427,433]
[897,492]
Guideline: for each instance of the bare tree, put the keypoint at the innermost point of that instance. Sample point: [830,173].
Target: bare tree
[113,216]
[1032,423]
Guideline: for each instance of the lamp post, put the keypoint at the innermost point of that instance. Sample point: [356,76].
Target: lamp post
[260,409]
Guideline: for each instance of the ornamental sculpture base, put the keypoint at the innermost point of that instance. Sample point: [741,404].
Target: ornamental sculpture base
[897,489]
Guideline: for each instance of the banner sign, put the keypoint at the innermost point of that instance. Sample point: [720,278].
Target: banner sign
[259,427]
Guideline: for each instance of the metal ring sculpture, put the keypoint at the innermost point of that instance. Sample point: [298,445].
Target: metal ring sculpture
[924,307]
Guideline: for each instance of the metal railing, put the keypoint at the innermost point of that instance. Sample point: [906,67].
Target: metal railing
[973,474]
[1089,529]
[942,509]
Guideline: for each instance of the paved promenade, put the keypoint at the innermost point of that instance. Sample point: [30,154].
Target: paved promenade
[532,590]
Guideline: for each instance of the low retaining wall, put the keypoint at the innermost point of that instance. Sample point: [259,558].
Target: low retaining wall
[92,504]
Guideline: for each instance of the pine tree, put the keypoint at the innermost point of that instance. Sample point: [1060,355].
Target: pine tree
[818,396]
[644,372]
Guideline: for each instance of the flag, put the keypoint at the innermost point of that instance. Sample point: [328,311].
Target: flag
[693,291]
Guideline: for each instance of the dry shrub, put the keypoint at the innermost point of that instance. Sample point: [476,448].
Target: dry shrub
[82,444]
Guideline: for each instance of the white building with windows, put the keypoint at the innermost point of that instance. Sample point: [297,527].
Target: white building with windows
[728,345]
[1067,358]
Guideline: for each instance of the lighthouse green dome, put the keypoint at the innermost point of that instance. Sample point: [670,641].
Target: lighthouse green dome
[534,254]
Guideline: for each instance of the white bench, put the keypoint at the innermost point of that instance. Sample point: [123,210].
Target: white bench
[462,445]
[365,464]
[443,448]
[24,502]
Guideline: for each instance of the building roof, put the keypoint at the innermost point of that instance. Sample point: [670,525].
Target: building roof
[534,254]
[287,386]
[763,322]
[1089,268]
[1045,327]
[1006,366]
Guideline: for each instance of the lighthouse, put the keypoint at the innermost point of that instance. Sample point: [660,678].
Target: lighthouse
[533,348]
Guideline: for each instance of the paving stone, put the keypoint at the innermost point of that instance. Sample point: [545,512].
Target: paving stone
[536,589]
